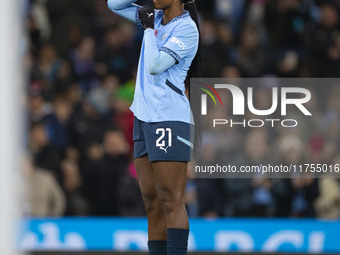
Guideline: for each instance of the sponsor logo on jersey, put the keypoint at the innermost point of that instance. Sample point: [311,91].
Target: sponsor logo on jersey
[181,44]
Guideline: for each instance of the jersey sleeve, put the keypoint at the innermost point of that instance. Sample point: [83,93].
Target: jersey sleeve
[182,42]
[126,9]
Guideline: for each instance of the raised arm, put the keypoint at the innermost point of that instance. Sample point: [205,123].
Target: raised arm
[183,42]
[156,61]
[124,8]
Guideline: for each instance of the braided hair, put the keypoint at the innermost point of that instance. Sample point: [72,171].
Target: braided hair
[196,66]
[195,71]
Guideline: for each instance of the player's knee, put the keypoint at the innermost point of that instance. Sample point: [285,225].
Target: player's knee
[150,202]
[169,201]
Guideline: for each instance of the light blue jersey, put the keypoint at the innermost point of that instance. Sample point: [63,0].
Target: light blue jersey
[161,96]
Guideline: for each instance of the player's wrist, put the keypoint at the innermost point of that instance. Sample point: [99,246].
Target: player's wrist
[144,2]
[147,17]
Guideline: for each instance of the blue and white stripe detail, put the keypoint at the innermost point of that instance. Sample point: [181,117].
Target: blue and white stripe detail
[181,139]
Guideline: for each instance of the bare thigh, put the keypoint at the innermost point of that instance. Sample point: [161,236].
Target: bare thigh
[156,218]
[146,178]
[170,182]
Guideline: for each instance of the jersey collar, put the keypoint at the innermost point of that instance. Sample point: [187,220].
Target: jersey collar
[183,15]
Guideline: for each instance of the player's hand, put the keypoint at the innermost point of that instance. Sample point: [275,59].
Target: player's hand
[147,16]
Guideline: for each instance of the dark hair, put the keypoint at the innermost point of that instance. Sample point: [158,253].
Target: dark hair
[195,71]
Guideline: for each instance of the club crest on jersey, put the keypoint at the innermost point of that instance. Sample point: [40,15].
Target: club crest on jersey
[181,44]
[164,36]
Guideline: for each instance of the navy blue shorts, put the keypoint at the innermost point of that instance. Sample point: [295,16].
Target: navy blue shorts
[162,141]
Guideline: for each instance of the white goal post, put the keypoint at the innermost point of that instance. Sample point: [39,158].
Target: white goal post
[12,44]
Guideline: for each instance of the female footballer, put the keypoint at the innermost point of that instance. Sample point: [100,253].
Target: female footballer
[162,112]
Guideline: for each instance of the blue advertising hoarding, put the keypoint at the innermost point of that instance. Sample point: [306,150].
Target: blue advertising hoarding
[126,234]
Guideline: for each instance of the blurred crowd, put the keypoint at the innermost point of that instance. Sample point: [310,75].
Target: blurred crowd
[82,63]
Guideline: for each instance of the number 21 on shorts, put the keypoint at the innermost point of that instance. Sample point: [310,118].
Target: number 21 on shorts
[165,134]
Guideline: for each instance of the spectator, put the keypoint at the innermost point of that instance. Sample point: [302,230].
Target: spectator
[210,66]
[44,195]
[70,21]
[104,176]
[88,124]
[130,197]
[257,153]
[324,42]
[286,21]
[57,125]
[307,190]
[85,65]
[327,205]
[291,151]
[76,203]
[39,107]
[44,154]
[49,63]
[248,56]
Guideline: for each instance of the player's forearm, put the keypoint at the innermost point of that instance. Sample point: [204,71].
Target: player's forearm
[119,4]
[156,61]
[124,8]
